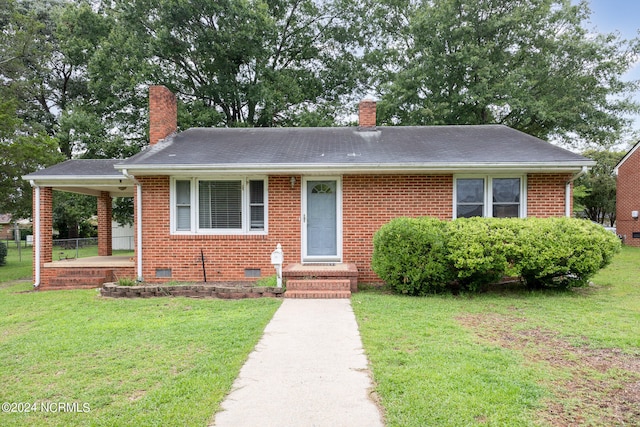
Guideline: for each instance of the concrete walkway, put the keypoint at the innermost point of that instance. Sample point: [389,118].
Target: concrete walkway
[309,369]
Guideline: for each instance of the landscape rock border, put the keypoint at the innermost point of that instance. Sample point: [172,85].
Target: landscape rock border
[220,291]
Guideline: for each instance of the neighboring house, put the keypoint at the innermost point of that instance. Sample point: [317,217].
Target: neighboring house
[628,197]
[7,227]
[218,201]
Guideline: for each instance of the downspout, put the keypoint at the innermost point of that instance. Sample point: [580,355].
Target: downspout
[567,201]
[138,224]
[36,243]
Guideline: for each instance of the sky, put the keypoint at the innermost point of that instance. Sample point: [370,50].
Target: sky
[623,16]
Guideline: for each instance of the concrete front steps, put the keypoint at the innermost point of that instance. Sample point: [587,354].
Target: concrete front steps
[318,288]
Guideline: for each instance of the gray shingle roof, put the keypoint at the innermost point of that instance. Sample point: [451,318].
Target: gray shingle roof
[81,168]
[89,176]
[349,146]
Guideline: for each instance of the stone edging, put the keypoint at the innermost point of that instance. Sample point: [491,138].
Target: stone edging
[113,290]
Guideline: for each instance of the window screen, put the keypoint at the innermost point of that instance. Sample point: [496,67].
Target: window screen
[506,197]
[183,205]
[220,204]
[469,197]
[256,204]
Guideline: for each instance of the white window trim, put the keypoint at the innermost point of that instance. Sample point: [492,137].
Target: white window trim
[246,211]
[487,208]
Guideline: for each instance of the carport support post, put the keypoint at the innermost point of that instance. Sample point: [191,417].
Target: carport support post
[43,229]
[104,224]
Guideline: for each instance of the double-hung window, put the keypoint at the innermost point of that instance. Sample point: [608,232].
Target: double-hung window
[499,197]
[218,206]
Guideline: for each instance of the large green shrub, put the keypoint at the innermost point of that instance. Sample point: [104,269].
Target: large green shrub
[418,256]
[563,252]
[482,250]
[3,254]
[409,255]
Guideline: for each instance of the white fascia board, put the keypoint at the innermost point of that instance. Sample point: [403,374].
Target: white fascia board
[74,180]
[376,168]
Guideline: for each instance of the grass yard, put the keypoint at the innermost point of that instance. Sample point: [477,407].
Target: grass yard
[509,357]
[512,358]
[140,362]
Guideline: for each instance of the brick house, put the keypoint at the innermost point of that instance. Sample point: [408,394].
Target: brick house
[229,196]
[6,227]
[628,197]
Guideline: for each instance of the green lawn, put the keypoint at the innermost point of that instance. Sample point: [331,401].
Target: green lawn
[512,358]
[142,362]
[502,358]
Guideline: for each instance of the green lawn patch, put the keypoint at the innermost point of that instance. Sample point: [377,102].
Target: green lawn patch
[164,361]
[19,264]
[512,357]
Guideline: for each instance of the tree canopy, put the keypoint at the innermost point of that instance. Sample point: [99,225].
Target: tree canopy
[532,65]
[595,192]
[231,62]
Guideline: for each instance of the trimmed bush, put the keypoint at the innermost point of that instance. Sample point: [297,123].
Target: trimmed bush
[482,250]
[563,252]
[3,254]
[409,255]
[424,255]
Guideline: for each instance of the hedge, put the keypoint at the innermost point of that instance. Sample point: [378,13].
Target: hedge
[417,256]
[409,254]
[564,252]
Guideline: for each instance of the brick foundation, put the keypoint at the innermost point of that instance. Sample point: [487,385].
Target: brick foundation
[56,278]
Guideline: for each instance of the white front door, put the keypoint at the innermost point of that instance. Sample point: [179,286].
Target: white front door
[321,222]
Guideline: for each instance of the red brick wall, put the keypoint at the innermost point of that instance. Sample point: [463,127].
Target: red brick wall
[368,202]
[367,114]
[104,224]
[163,113]
[628,199]
[546,195]
[226,256]
[72,277]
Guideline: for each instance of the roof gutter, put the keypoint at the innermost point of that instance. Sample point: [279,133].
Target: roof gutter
[138,207]
[37,243]
[368,168]
[567,191]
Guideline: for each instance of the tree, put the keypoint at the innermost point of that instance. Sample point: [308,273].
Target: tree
[529,64]
[595,192]
[72,213]
[45,46]
[21,152]
[233,62]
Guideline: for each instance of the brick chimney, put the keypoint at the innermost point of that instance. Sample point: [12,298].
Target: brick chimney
[163,113]
[367,114]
